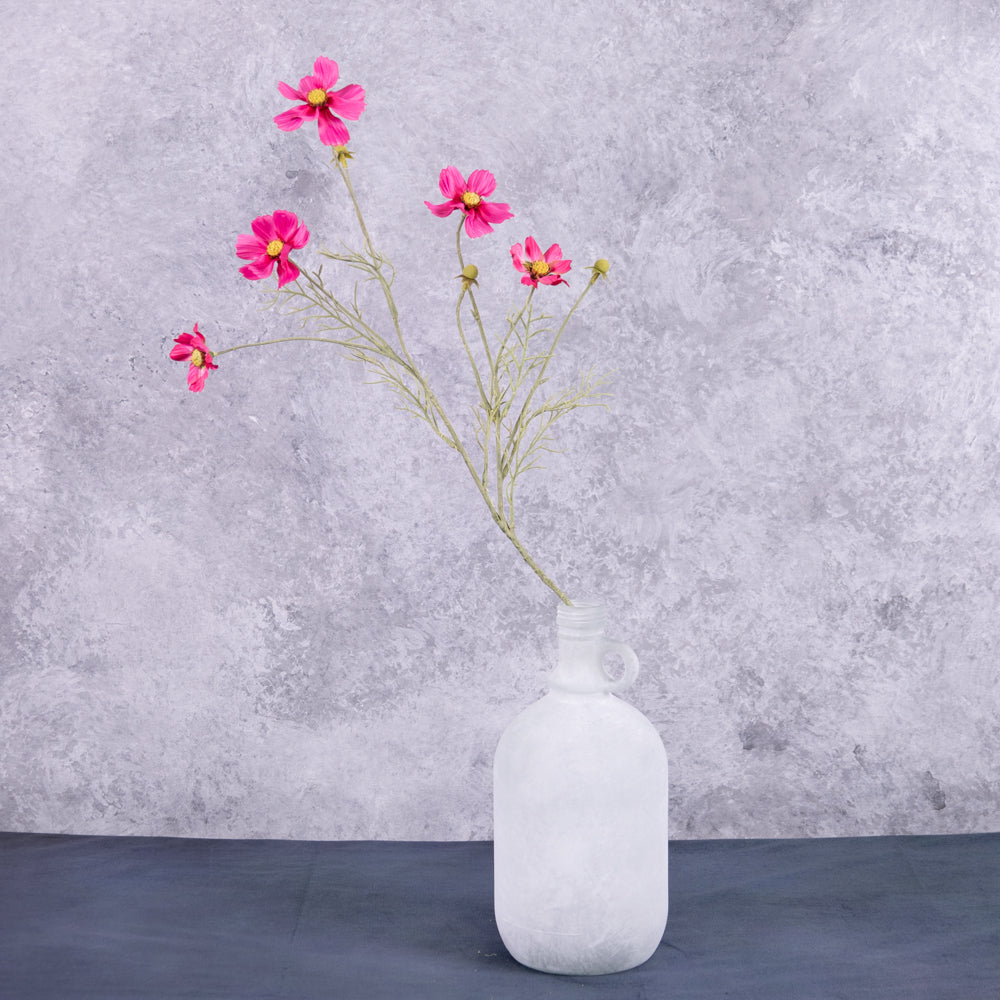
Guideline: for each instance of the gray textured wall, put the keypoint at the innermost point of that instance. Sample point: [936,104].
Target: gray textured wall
[279,609]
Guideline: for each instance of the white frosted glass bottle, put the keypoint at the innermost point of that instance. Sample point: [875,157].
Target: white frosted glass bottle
[580,815]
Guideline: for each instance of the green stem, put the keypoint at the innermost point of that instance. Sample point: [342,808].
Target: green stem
[517,318]
[279,340]
[376,261]
[432,401]
[472,298]
[468,352]
[496,514]
[521,417]
[503,345]
[345,173]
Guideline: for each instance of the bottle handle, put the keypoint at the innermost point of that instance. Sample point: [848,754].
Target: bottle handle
[631,670]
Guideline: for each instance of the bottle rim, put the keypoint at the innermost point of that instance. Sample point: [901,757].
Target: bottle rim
[582,617]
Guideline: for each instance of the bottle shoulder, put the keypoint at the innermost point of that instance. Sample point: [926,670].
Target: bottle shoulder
[564,711]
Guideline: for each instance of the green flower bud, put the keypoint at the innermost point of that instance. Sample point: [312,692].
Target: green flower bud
[342,154]
[469,274]
[600,269]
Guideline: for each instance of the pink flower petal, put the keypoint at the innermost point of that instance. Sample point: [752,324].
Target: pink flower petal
[299,237]
[553,253]
[452,183]
[196,378]
[290,92]
[332,131]
[287,270]
[442,211]
[476,225]
[560,266]
[531,249]
[180,352]
[260,268]
[482,182]
[552,279]
[326,72]
[248,246]
[529,281]
[308,83]
[263,227]
[285,225]
[494,212]
[290,120]
[348,102]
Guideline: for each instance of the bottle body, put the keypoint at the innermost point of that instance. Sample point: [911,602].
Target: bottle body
[580,822]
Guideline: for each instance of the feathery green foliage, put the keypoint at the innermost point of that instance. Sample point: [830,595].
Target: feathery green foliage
[512,429]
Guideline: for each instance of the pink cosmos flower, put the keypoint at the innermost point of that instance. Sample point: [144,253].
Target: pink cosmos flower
[275,236]
[322,104]
[538,267]
[470,197]
[192,347]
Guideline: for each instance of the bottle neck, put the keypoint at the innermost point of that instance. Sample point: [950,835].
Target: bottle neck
[580,670]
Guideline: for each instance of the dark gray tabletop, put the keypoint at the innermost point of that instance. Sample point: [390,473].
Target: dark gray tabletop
[122,917]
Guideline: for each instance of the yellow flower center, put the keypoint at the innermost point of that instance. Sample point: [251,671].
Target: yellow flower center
[274,248]
[538,268]
[197,359]
[316,98]
[470,199]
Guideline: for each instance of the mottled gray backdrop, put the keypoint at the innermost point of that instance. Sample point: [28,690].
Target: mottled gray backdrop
[279,608]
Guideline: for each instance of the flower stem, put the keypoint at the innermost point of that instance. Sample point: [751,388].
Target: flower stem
[279,340]
[521,417]
[430,404]
[345,173]
[468,352]
[472,298]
